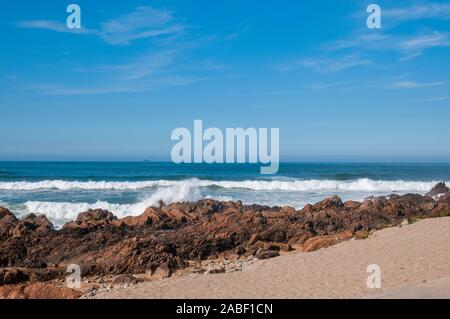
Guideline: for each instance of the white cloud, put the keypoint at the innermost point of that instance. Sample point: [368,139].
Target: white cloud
[325,65]
[431,10]
[144,65]
[438,98]
[142,23]
[148,85]
[414,85]
[409,47]
[51,26]
[324,86]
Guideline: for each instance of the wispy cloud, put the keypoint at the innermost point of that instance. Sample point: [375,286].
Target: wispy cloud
[161,64]
[438,98]
[261,93]
[52,26]
[149,85]
[142,23]
[419,11]
[414,85]
[143,66]
[325,65]
[409,47]
[58,89]
[324,86]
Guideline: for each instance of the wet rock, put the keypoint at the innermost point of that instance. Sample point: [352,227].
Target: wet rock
[438,189]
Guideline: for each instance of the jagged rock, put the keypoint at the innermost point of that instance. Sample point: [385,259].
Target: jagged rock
[92,218]
[7,222]
[38,224]
[438,189]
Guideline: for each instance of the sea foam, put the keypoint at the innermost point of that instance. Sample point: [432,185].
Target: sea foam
[363,184]
[61,212]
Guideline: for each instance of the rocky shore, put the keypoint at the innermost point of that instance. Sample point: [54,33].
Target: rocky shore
[171,240]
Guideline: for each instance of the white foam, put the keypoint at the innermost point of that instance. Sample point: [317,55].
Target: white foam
[61,212]
[363,184]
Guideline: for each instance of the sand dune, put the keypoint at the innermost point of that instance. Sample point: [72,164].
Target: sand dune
[414,261]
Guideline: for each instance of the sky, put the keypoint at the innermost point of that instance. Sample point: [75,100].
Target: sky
[136,70]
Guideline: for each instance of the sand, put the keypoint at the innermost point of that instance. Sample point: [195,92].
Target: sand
[414,261]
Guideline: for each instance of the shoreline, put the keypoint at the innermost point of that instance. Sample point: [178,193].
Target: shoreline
[205,237]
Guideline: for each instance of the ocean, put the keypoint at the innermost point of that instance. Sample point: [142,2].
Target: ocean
[61,190]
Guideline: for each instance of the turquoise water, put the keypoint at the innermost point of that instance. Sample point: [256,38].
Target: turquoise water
[61,190]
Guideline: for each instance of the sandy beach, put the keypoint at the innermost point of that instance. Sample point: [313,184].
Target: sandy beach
[414,261]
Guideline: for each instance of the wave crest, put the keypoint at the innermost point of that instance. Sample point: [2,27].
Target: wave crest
[62,212]
[363,184]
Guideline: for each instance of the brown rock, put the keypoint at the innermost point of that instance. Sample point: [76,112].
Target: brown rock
[38,291]
[317,243]
[91,219]
[161,272]
[11,276]
[126,280]
[7,222]
[438,189]
[266,254]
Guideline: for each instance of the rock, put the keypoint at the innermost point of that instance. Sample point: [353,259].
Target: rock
[7,222]
[10,276]
[362,234]
[266,254]
[150,216]
[284,247]
[438,189]
[219,270]
[317,243]
[38,291]
[161,272]
[332,202]
[126,280]
[38,224]
[240,250]
[253,239]
[92,218]
[95,215]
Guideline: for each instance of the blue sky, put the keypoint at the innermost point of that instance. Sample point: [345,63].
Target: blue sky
[136,70]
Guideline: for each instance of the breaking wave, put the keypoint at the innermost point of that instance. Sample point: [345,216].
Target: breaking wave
[61,212]
[363,184]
